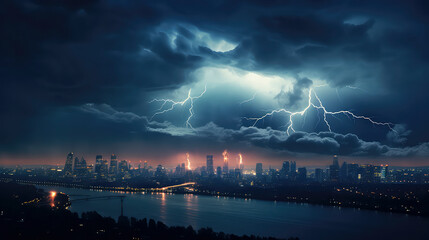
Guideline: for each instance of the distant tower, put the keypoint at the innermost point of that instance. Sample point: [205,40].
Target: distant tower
[334,170]
[113,164]
[68,167]
[259,170]
[293,167]
[225,162]
[76,165]
[98,161]
[285,167]
[210,169]
[219,172]
[123,167]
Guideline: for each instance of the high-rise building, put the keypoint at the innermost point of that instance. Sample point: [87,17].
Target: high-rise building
[218,171]
[367,173]
[113,164]
[353,172]
[334,170]
[123,167]
[76,164]
[318,175]
[259,170]
[344,172]
[285,167]
[97,166]
[293,167]
[160,171]
[80,167]
[335,160]
[104,168]
[302,174]
[68,167]
[210,169]
[225,162]
[384,173]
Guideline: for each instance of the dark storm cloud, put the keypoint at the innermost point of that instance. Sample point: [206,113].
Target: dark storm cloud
[57,54]
[326,143]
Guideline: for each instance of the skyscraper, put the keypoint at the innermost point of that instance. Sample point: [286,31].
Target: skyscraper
[76,165]
[318,175]
[104,168]
[97,167]
[80,167]
[344,172]
[302,174]
[218,171]
[123,167]
[68,167]
[259,170]
[285,167]
[293,167]
[225,162]
[334,170]
[113,164]
[210,169]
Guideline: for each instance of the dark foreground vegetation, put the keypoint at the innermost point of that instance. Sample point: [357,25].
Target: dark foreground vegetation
[26,213]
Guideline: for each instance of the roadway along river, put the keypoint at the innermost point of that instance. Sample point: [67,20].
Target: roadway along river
[264,218]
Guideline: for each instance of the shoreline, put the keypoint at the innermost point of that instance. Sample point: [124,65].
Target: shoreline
[158,190]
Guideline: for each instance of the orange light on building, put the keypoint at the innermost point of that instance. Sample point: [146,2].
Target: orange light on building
[53,194]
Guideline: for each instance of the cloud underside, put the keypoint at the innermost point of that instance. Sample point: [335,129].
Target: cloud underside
[325,143]
[55,55]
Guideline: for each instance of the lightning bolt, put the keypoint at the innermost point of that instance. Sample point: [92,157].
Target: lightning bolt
[173,103]
[248,100]
[318,106]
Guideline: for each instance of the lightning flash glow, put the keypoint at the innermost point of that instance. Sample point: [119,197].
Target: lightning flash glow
[240,164]
[225,156]
[189,161]
[318,106]
[173,103]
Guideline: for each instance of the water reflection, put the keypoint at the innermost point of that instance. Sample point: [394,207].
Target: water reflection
[265,218]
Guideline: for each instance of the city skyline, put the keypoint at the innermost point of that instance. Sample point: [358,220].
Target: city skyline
[298,81]
[220,120]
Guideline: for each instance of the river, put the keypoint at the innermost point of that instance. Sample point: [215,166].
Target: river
[246,216]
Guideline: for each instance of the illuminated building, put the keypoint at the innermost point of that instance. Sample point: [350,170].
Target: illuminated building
[123,167]
[80,168]
[104,168]
[113,164]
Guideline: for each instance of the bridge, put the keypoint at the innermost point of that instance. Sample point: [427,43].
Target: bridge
[176,186]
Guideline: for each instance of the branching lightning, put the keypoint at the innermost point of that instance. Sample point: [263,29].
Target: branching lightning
[173,103]
[318,106]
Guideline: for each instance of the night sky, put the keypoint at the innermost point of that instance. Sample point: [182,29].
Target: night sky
[152,80]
